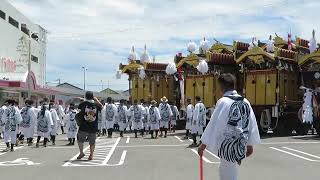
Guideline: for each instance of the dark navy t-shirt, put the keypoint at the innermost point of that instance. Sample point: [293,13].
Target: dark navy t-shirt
[90,113]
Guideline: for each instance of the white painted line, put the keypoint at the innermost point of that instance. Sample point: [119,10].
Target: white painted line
[178,138]
[276,143]
[302,152]
[137,146]
[121,162]
[111,152]
[213,154]
[75,157]
[292,154]
[204,158]
[128,140]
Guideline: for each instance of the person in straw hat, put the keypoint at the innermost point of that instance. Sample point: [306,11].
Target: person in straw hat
[154,115]
[166,114]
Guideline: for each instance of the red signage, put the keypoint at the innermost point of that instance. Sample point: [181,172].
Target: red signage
[8,65]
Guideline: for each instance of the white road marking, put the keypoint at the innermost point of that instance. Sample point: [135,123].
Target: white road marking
[121,162]
[178,138]
[292,154]
[311,155]
[204,158]
[128,140]
[276,143]
[111,152]
[213,154]
[156,145]
[18,162]
[105,148]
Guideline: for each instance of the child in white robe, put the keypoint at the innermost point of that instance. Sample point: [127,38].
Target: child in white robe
[145,118]
[44,123]
[198,121]
[11,118]
[60,121]
[29,119]
[166,114]
[189,116]
[71,125]
[154,117]
[232,130]
[175,116]
[55,120]
[2,110]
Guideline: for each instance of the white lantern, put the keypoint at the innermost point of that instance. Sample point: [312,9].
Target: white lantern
[145,55]
[204,46]
[270,45]
[203,67]
[142,73]
[171,68]
[132,55]
[191,47]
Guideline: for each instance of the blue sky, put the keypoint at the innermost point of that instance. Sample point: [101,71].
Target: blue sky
[100,33]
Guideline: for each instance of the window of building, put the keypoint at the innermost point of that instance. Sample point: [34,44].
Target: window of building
[13,22]
[34,59]
[2,15]
[24,29]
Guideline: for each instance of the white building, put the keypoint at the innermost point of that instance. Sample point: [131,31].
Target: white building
[21,42]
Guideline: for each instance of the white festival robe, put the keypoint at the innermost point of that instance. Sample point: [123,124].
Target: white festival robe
[166,114]
[110,114]
[122,117]
[28,123]
[231,128]
[190,109]
[145,119]
[2,110]
[71,124]
[154,117]
[11,118]
[44,124]
[55,121]
[175,115]
[137,115]
[198,119]
[61,114]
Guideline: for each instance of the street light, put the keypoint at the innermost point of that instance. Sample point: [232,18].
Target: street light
[84,78]
[33,36]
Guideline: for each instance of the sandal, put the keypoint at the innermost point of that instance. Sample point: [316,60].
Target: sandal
[90,157]
[80,156]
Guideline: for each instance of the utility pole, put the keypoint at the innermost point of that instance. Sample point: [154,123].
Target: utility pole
[29,68]
[84,78]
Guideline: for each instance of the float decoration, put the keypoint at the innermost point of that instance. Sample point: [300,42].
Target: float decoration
[313,43]
[132,55]
[203,67]
[145,56]
[171,68]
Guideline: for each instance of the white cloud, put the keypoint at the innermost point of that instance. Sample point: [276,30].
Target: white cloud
[100,33]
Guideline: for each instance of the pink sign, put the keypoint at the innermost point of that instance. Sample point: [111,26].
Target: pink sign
[8,65]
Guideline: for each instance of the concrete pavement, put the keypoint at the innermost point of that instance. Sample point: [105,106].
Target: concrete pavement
[293,158]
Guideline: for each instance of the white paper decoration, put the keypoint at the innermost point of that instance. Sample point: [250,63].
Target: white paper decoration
[145,55]
[204,46]
[142,73]
[253,43]
[171,68]
[313,43]
[132,55]
[191,47]
[203,67]
[118,75]
[270,45]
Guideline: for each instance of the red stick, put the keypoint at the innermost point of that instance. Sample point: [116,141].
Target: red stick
[201,168]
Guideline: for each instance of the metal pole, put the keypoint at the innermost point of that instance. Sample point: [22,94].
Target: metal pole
[84,78]
[29,69]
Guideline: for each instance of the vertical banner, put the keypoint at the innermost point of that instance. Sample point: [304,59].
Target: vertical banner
[181,82]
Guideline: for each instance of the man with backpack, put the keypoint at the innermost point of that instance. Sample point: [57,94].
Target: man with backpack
[232,130]
[87,120]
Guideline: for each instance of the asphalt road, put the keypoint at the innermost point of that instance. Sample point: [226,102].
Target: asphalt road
[292,158]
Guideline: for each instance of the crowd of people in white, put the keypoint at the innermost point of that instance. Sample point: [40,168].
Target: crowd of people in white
[45,121]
